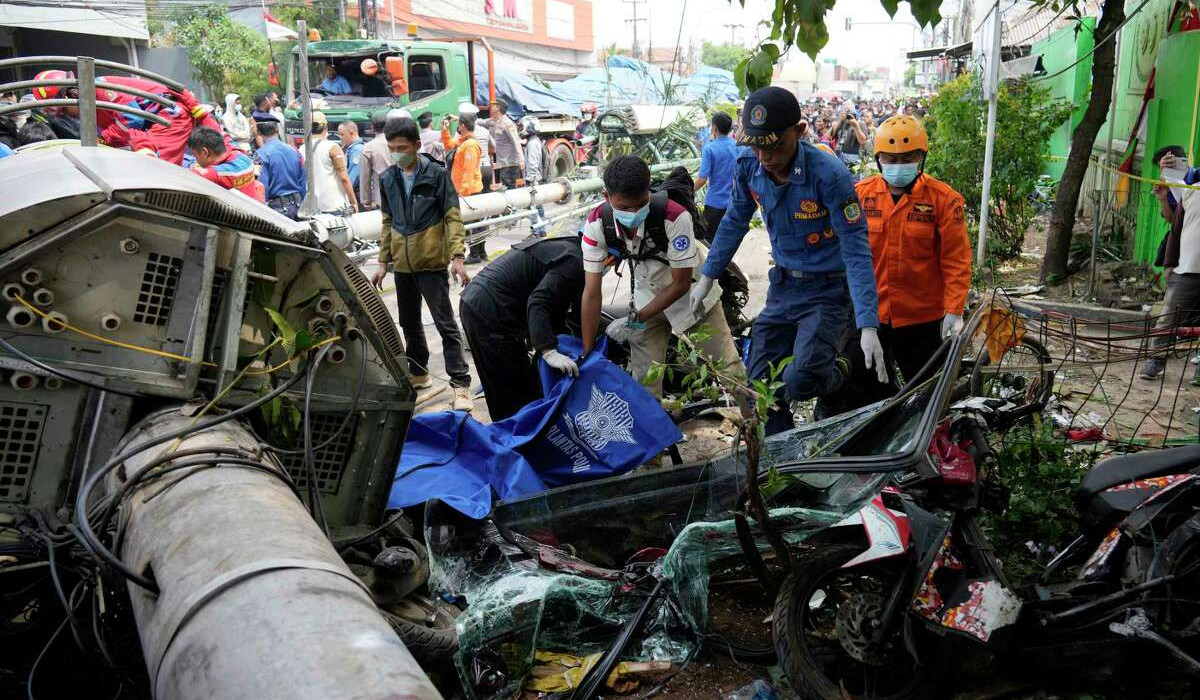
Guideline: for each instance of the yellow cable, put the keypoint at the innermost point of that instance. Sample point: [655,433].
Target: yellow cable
[1152,181]
[109,341]
[285,363]
[152,351]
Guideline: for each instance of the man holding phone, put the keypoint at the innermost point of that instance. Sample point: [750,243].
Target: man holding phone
[849,139]
[1179,254]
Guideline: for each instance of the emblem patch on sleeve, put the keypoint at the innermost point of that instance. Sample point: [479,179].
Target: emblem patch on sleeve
[681,243]
[852,211]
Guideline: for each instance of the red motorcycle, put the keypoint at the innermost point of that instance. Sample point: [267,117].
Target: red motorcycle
[881,606]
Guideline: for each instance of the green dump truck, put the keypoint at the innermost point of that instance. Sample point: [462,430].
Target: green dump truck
[433,76]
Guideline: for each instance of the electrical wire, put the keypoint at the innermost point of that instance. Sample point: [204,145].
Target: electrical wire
[310,455]
[89,538]
[12,350]
[1108,37]
[363,538]
[285,363]
[108,341]
[362,376]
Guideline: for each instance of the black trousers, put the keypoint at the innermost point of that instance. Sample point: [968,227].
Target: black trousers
[509,376]
[907,348]
[434,288]
[712,219]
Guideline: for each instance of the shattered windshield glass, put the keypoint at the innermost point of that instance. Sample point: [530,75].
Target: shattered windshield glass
[563,571]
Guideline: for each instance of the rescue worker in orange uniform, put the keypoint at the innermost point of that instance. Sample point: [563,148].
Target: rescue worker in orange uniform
[919,248]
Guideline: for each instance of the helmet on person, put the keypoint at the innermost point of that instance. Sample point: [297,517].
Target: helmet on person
[529,125]
[901,134]
[369,66]
[399,113]
[588,108]
[49,92]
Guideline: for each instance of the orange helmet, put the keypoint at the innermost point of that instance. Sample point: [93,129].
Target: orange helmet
[901,134]
[824,147]
[49,92]
[369,66]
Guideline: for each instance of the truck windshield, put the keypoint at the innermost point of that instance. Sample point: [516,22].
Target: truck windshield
[348,67]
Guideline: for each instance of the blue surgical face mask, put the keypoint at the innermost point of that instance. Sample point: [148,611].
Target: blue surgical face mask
[900,174]
[632,219]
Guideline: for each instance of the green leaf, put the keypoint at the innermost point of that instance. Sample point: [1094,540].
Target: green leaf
[286,332]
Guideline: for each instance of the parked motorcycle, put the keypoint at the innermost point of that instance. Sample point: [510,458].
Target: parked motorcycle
[884,599]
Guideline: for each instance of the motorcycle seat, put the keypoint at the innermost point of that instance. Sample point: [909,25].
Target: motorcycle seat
[1142,465]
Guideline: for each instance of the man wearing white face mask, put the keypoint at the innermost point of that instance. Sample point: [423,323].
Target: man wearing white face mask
[919,248]
[1179,254]
[422,233]
[654,234]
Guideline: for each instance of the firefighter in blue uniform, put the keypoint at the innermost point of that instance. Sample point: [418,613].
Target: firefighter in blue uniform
[819,244]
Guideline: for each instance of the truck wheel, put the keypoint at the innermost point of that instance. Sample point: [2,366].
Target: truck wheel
[562,160]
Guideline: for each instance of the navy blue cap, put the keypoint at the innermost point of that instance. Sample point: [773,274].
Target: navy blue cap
[768,112]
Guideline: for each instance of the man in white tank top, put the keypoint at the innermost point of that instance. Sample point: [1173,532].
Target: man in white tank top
[332,191]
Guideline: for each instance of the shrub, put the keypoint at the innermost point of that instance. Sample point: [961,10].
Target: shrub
[1026,116]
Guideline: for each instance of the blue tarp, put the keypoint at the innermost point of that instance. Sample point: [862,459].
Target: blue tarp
[636,82]
[709,85]
[632,83]
[522,93]
[599,424]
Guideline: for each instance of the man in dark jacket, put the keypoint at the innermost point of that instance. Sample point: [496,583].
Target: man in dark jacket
[422,234]
[525,297]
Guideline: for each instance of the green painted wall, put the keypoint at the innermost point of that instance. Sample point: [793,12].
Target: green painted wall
[1172,119]
[1058,52]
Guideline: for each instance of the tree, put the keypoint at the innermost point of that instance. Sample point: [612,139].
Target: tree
[726,56]
[910,75]
[321,15]
[226,56]
[1026,116]
[1066,199]
[801,23]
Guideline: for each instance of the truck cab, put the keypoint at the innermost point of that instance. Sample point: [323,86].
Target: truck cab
[438,77]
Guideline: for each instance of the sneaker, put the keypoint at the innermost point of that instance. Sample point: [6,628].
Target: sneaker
[1153,368]
[475,260]
[420,381]
[462,399]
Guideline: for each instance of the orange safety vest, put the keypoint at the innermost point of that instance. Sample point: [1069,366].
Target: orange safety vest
[919,248]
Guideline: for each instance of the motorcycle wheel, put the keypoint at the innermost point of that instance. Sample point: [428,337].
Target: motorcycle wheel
[822,625]
[1180,557]
[426,628]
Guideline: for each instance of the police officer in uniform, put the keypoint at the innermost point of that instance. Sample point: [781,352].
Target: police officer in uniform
[819,244]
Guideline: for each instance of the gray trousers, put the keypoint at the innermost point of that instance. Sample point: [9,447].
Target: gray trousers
[1179,306]
[650,346]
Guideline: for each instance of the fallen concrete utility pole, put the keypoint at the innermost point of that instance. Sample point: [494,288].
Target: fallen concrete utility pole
[254,601]
[365,226]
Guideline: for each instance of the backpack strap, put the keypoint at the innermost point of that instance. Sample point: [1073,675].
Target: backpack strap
[656,222]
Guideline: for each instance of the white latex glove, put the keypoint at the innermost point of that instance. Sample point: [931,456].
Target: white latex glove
[700,290]
[561,362]
[873,353]
[951,325]
[621,330]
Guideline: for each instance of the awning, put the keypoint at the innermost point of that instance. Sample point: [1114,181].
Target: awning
[123,23]
[1020,67]
[953,51]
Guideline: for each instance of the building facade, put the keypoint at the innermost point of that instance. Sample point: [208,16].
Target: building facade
[549,39]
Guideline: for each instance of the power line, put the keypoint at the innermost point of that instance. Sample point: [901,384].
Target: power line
[1111,35]
[634,22]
